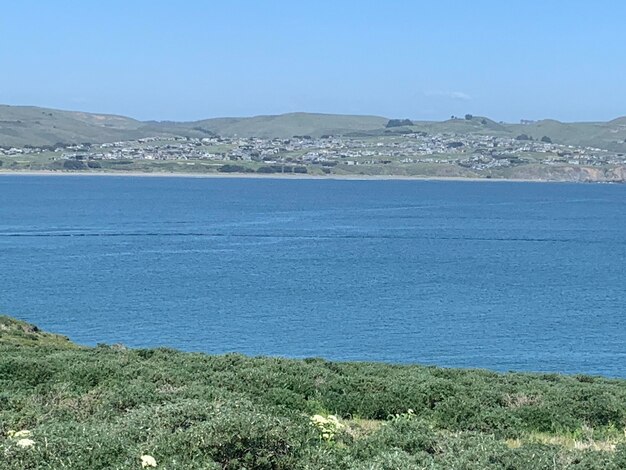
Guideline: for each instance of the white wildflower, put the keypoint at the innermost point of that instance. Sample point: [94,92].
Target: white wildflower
[25,443]
[328,427]
[148,461]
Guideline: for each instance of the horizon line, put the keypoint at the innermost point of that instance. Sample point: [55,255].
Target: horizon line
[453,117]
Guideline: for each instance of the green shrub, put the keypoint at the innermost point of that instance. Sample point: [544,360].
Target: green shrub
[104,407]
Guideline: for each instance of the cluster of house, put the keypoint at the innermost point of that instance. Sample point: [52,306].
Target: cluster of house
[474,151]
[17,151]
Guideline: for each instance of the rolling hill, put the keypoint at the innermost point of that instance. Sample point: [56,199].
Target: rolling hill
[607,135]
[29,125]
[288,125]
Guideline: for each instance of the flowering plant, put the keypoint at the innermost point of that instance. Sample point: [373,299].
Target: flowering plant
[327,426]
[21,438]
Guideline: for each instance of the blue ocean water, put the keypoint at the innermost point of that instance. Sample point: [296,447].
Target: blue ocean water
[505,276]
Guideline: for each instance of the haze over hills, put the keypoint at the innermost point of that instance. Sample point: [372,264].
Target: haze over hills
[30,125]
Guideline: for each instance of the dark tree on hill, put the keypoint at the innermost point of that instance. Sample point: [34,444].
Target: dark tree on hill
[546,139]
[523,137]
[399,122]
[204,131]
[469,117]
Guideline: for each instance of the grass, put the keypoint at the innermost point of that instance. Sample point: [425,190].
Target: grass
[16,333]
[288,125]
[28,125]
[527,171]
[104,407]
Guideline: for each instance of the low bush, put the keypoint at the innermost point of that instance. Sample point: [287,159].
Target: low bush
[105,407]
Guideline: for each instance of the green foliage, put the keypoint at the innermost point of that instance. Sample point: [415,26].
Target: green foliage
[105,407]
[74,165]
[229,168]
[406,434]
[20,333]
[272,169]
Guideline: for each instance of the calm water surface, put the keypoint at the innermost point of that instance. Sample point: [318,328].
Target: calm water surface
[506,276]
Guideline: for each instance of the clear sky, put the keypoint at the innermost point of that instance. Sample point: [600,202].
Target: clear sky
[186,60]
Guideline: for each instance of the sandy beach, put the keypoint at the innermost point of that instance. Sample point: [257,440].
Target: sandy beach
[271,176]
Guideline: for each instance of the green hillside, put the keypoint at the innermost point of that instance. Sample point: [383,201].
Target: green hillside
[288,125]
[606,135]
[109,407]
[476,125]
[27,125]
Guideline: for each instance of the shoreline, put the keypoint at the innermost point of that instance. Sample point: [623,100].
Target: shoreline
[282,176]
[67,340]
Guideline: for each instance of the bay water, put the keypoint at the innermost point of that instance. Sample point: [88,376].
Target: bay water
[497,275]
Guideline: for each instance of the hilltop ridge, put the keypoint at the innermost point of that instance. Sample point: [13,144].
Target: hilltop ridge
[30,125]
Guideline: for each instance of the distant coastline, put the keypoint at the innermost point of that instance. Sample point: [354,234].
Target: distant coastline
[313,146]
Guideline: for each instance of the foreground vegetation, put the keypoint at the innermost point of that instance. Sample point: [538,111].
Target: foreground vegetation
[66,406]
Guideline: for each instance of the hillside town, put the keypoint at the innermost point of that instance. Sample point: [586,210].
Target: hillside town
[478,152]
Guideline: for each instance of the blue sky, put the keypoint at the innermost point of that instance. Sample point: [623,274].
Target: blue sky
[188,60]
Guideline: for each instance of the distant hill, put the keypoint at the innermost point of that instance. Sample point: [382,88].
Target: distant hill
[29,125]
[607,135]
[476,125]
[283,125]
